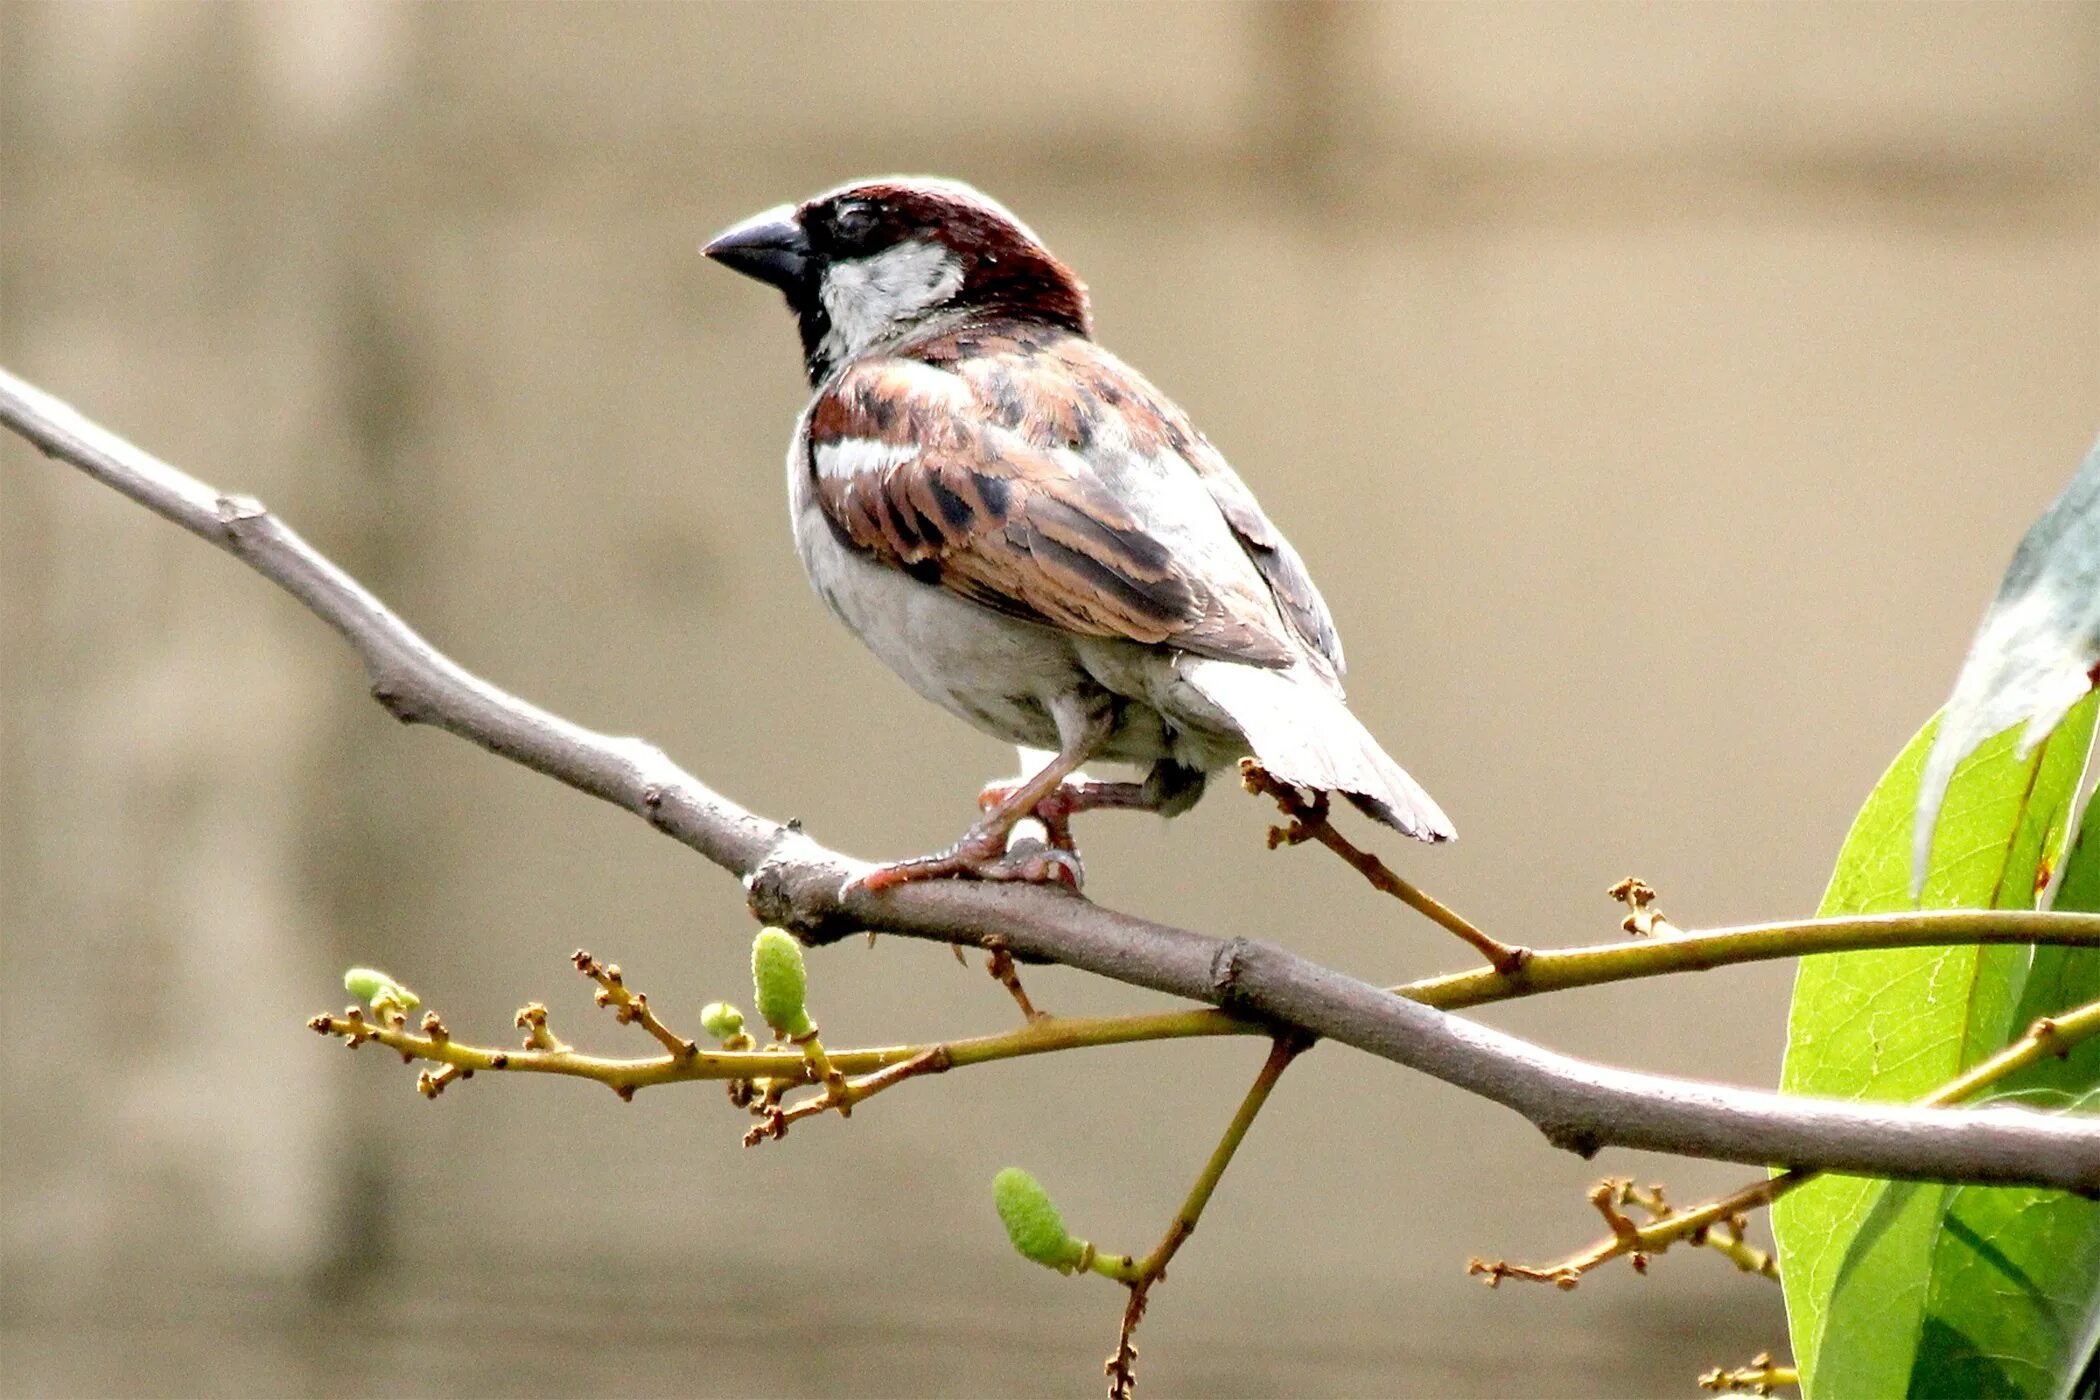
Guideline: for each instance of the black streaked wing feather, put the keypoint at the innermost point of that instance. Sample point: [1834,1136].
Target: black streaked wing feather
[933,487]
[1057,387]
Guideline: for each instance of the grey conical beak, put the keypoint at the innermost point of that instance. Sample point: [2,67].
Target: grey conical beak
[770,247]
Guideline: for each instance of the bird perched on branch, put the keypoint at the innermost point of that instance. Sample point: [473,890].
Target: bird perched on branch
[1034,537]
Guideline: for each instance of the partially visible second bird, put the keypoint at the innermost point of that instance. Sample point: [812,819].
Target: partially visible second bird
[1034,537]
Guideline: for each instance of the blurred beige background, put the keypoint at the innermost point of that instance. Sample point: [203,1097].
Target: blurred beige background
[1657,392]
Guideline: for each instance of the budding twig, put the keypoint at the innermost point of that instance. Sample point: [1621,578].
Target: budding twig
[532,1019]
[1760,1377]
[842,1094]
[431,1083]
[1642,921]
[741,1062]
[1140,1275]
[1309,823]
[1719,1224]
[630,1007]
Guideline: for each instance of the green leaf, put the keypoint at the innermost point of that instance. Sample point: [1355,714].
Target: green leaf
[2083,1383]
[1876,1308]
[1892,1288]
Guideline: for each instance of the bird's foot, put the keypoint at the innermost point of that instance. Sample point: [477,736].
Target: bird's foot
[982,855]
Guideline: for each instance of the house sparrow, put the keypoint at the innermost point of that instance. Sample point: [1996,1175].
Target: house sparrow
[1034,537]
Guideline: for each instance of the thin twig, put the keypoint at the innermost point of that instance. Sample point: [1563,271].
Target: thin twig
[1718,1225]
[842,1094]
[1760,1377]
[1560,969]
[1726,1237]
[532,1019]
[2049,1035]
[543,1054]
[630,1007]
[1309,823]
[1141,1275]
[1001,966]
[1549,970]
[794,882]
[1642,919]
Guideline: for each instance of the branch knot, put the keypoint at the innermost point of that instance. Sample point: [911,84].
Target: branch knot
[795,886]
[235,511]
[1227,966]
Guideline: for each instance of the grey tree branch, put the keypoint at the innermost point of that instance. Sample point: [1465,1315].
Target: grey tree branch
[792,880]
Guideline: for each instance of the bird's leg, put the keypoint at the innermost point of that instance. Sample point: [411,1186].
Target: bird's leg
[982,853]
[1169,788]
[1072,797]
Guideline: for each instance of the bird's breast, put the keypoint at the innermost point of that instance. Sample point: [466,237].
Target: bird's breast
[995,672]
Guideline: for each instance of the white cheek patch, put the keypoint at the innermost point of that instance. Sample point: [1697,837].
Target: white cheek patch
[849,457]
[870,299]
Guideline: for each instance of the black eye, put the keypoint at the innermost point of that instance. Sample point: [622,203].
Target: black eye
[855,223]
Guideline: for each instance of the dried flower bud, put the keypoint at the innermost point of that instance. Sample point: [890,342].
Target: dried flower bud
[1038,1232]
[779,982]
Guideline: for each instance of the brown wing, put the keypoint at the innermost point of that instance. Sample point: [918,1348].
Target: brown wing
[912,470]
[1059,387]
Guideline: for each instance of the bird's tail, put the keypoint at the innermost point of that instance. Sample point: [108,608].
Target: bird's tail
[1302,732]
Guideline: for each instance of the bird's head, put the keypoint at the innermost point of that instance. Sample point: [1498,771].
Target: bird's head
[870,261]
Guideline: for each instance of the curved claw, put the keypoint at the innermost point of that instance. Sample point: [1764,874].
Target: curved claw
[1039,864]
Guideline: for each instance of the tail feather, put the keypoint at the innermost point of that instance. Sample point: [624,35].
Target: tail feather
[1302,732]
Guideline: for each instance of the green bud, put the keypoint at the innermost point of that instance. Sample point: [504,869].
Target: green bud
[369,984]
[779,982]
[1032,1222]
[721,1020]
